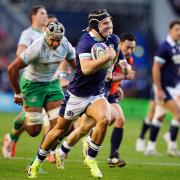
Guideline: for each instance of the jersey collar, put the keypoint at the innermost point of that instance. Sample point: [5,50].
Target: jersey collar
[37,30]
[170,41]
[93,36]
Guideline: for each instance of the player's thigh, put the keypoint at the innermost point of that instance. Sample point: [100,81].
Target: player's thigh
[34,93]
[99,110]
[54,95]
[74,106]
[52,105]
[53,100]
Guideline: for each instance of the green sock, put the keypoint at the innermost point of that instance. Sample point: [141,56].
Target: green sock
[19,120]
[14,137]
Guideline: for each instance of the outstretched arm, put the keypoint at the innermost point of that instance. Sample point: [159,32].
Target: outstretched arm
[13,73]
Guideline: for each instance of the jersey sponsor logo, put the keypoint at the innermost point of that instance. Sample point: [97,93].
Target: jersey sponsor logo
[33,99]
[50,63]
[176,59]
[70,113]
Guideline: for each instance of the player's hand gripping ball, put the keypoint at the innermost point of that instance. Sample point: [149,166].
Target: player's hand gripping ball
[99,50]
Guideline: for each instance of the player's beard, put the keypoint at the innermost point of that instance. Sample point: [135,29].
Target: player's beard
[106,31]
[54,47]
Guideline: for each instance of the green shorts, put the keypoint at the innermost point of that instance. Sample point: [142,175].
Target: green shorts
[37,94]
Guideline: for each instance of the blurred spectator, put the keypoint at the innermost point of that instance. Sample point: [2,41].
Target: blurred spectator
[6,48]
[176,5]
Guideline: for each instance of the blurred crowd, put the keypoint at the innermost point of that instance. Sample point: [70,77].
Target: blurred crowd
[7,47]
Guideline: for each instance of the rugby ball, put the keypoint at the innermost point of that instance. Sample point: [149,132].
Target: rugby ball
[99,50]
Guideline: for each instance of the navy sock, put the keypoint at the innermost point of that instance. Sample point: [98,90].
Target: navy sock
[116,139]
[93,149]
[173,132]
[65,149]
[144,129]
[154,132]
[42,154]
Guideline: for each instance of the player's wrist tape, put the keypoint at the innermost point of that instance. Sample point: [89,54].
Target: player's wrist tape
[18,95]
[111,68]
[62,74]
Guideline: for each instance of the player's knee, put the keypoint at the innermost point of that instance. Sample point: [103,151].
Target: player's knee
[60,129]
[119,123]
[33,131]
[86,127]
[58,132]
[34,123]
[83,131]
[104,121]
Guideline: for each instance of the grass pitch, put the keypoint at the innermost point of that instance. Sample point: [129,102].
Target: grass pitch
[139,167]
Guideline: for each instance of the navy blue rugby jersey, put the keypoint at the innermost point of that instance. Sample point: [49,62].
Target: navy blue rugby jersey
[168,54]
[93,84]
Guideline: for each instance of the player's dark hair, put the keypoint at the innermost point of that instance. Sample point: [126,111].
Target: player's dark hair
[173,23]
[34,11]
[127,36]
[52,16]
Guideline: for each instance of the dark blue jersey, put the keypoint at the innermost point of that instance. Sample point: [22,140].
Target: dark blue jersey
[168,54]
[93,84]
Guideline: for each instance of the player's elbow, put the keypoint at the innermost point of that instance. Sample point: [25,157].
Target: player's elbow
[86,71]
[10,68]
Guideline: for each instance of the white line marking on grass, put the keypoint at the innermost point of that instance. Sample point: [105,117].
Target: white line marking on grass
[102,161]
[17,158]
[154,163]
